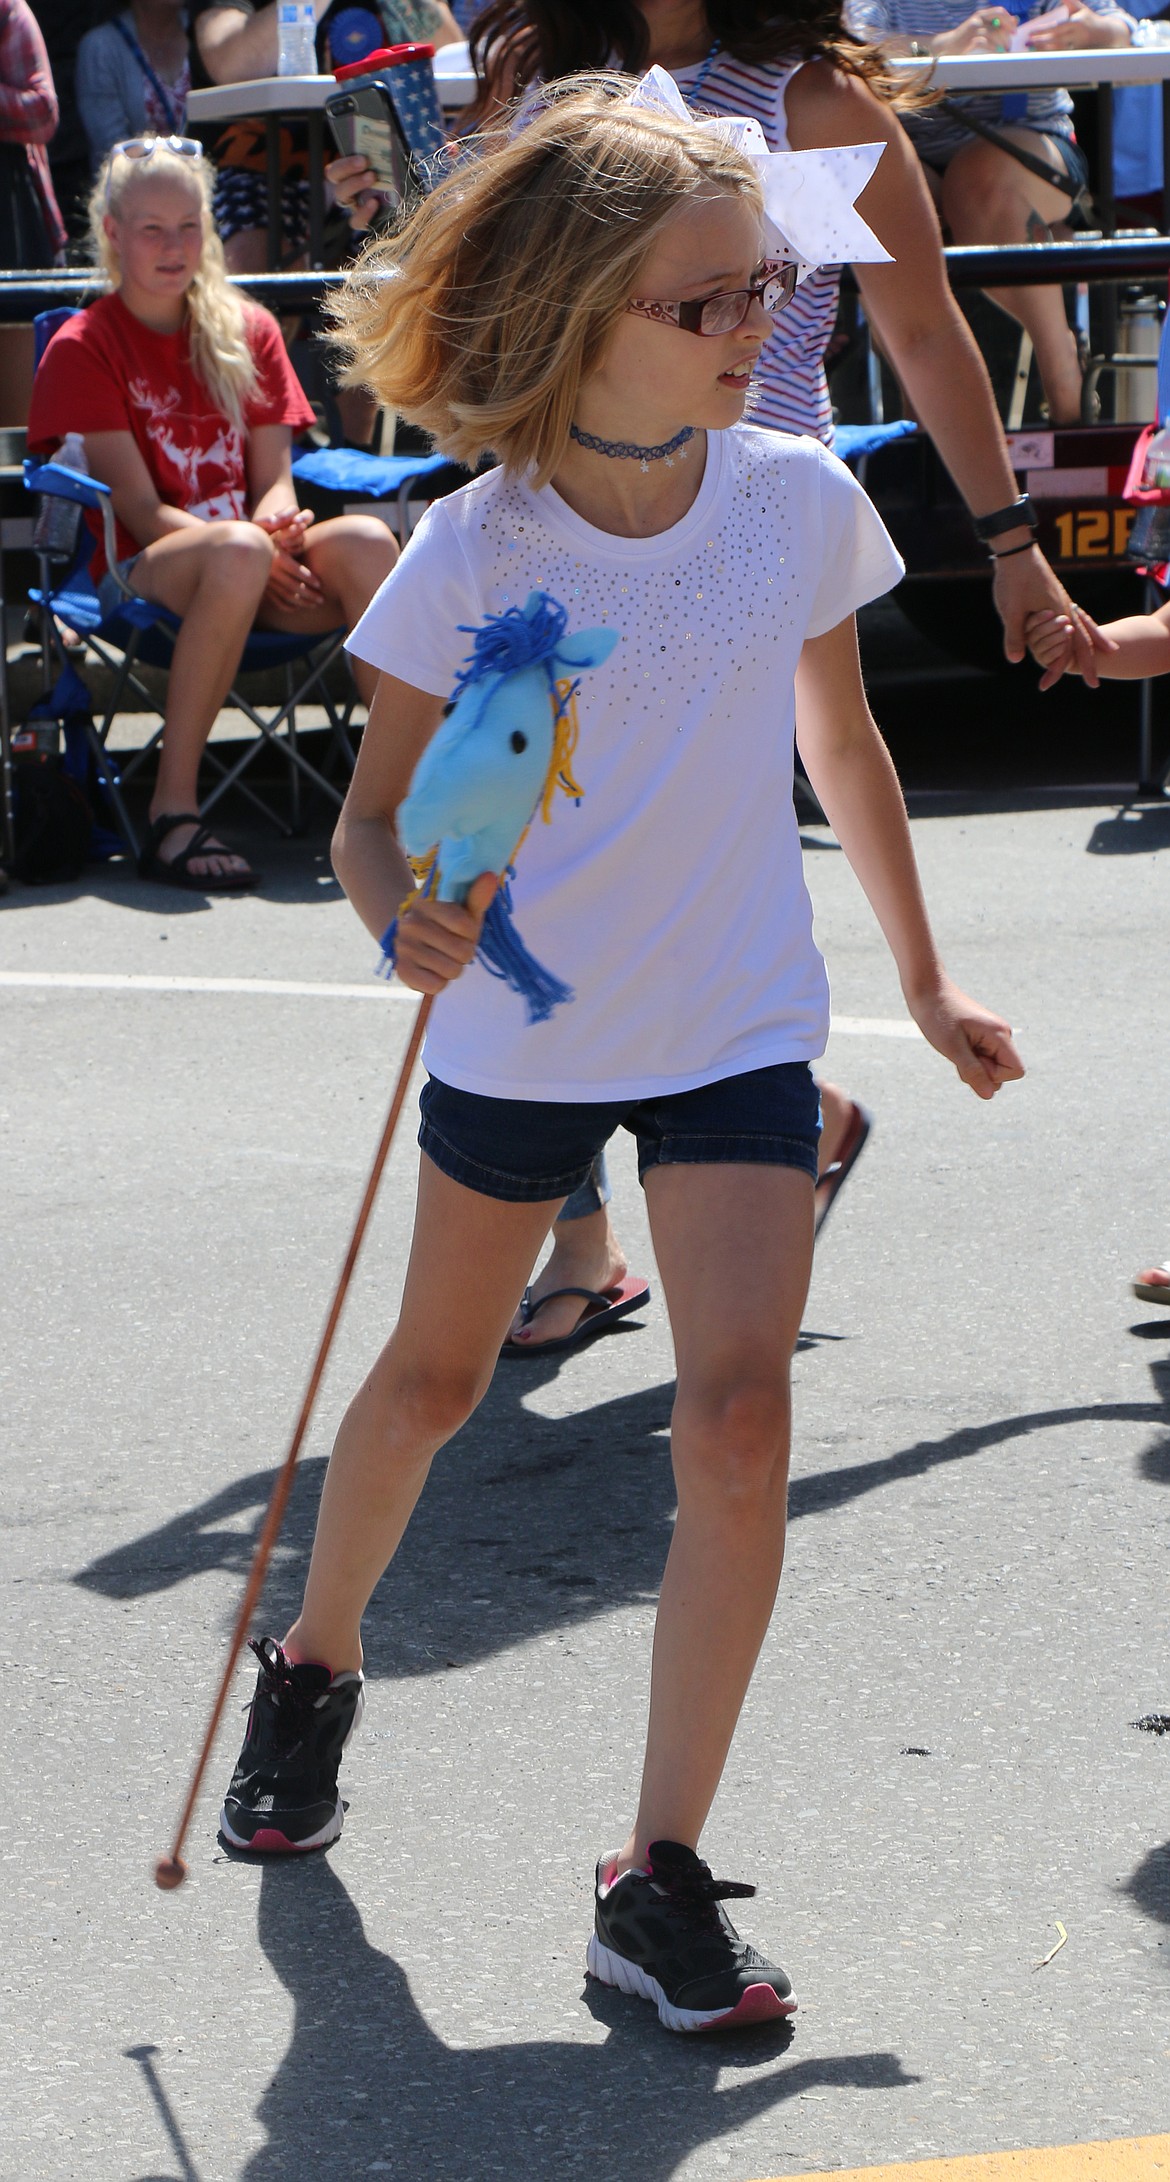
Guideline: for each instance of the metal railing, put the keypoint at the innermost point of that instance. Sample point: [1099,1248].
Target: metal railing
[1109,258]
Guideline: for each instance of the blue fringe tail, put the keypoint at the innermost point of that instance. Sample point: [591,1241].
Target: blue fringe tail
[503,953]
[389,947]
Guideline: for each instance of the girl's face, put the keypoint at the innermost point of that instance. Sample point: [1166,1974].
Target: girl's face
[663,376]
[158,234]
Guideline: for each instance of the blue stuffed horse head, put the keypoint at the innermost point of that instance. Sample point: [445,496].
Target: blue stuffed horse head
[481,778]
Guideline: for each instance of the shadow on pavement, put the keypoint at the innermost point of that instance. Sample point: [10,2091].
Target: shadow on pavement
[1135,830]
[1149,1888]
[505,1544]
[367,2087]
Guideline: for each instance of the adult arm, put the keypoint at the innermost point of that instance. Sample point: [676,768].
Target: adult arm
[28,102]
[116,459]
[237,43]
[852,773]
[435,940]
[920,326]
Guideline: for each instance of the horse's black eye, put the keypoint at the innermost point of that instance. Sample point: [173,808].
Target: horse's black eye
[519,741]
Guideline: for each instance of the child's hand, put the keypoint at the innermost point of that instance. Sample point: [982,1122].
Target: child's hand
[978,1042]
[1051,639]
[435,941]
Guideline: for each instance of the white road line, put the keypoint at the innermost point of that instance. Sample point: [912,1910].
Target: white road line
[875,1026]
[277,988]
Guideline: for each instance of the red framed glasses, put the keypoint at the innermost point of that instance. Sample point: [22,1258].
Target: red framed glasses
[725,312]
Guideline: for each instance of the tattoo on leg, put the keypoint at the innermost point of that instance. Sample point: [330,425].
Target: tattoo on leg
[1036,229]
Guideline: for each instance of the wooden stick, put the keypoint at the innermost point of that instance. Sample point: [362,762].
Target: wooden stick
[170,1871]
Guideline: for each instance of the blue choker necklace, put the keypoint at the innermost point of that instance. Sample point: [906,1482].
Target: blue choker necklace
[645,455]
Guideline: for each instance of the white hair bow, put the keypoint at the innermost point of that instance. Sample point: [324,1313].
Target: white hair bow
[809,209]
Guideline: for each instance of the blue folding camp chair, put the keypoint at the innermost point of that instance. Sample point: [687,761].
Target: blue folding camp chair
[139,634]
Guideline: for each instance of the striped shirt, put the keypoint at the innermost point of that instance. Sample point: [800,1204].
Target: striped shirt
[934,136]
[790,391]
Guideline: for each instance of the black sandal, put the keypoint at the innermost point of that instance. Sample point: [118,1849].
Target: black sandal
[178,871]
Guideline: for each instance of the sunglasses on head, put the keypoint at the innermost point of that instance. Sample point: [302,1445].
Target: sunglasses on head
[145,147]
[725,312]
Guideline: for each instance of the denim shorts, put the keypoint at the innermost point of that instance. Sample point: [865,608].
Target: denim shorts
[527,1151]
[110,598]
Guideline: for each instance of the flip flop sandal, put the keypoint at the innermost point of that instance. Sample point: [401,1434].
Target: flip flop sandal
[1154,1291]
[178,872]
[603,1307]
[834,1178]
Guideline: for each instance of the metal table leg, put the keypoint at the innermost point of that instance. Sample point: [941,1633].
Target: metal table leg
[316,191]
[272,149]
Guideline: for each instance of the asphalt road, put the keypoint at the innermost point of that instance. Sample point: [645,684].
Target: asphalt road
[937,1761]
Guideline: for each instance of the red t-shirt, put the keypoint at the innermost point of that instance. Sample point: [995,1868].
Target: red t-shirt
[104,371]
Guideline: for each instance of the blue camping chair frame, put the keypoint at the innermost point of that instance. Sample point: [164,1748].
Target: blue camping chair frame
[139,634]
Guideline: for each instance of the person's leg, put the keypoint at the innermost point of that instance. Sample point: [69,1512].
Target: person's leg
[987,197]
[734,1247]
[586,1253]
[213,578]
[468,1263]
[350,555]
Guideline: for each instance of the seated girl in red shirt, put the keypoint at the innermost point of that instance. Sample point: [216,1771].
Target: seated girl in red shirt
[188,404]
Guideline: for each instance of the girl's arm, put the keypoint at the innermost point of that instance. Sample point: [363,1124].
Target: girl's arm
[268,461]
[435,940]
[927,339]
[115,458]
[1142,646]
[852,773]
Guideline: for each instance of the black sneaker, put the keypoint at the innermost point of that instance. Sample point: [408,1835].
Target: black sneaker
[283,1795]
[662,1935]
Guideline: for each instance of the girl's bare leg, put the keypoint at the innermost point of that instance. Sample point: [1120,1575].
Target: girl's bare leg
[988,197]
[214,578]
[734,1247]
[468,1264]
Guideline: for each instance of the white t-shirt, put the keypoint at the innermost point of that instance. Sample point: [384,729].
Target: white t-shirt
[671,898]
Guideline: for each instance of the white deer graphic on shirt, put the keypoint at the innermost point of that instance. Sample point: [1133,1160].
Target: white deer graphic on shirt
[212,473]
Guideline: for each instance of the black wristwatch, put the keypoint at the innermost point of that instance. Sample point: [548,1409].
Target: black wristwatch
[1009,518]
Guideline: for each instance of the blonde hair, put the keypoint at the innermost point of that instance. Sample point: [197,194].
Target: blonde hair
[220,353]
[482,316]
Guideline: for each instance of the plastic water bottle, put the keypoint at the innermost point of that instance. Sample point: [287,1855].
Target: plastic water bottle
[1155,33]
[55,530]
[867,20]
[296,31]
[1156,468]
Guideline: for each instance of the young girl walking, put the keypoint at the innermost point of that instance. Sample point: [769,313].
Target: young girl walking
[589,302]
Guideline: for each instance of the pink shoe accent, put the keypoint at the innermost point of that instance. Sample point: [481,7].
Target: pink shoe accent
[271,1843]
[760,2004]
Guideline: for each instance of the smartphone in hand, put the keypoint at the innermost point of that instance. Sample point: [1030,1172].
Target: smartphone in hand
[362,121]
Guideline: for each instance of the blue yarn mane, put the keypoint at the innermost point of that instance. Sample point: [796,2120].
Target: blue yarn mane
[503,954]
[510,640]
